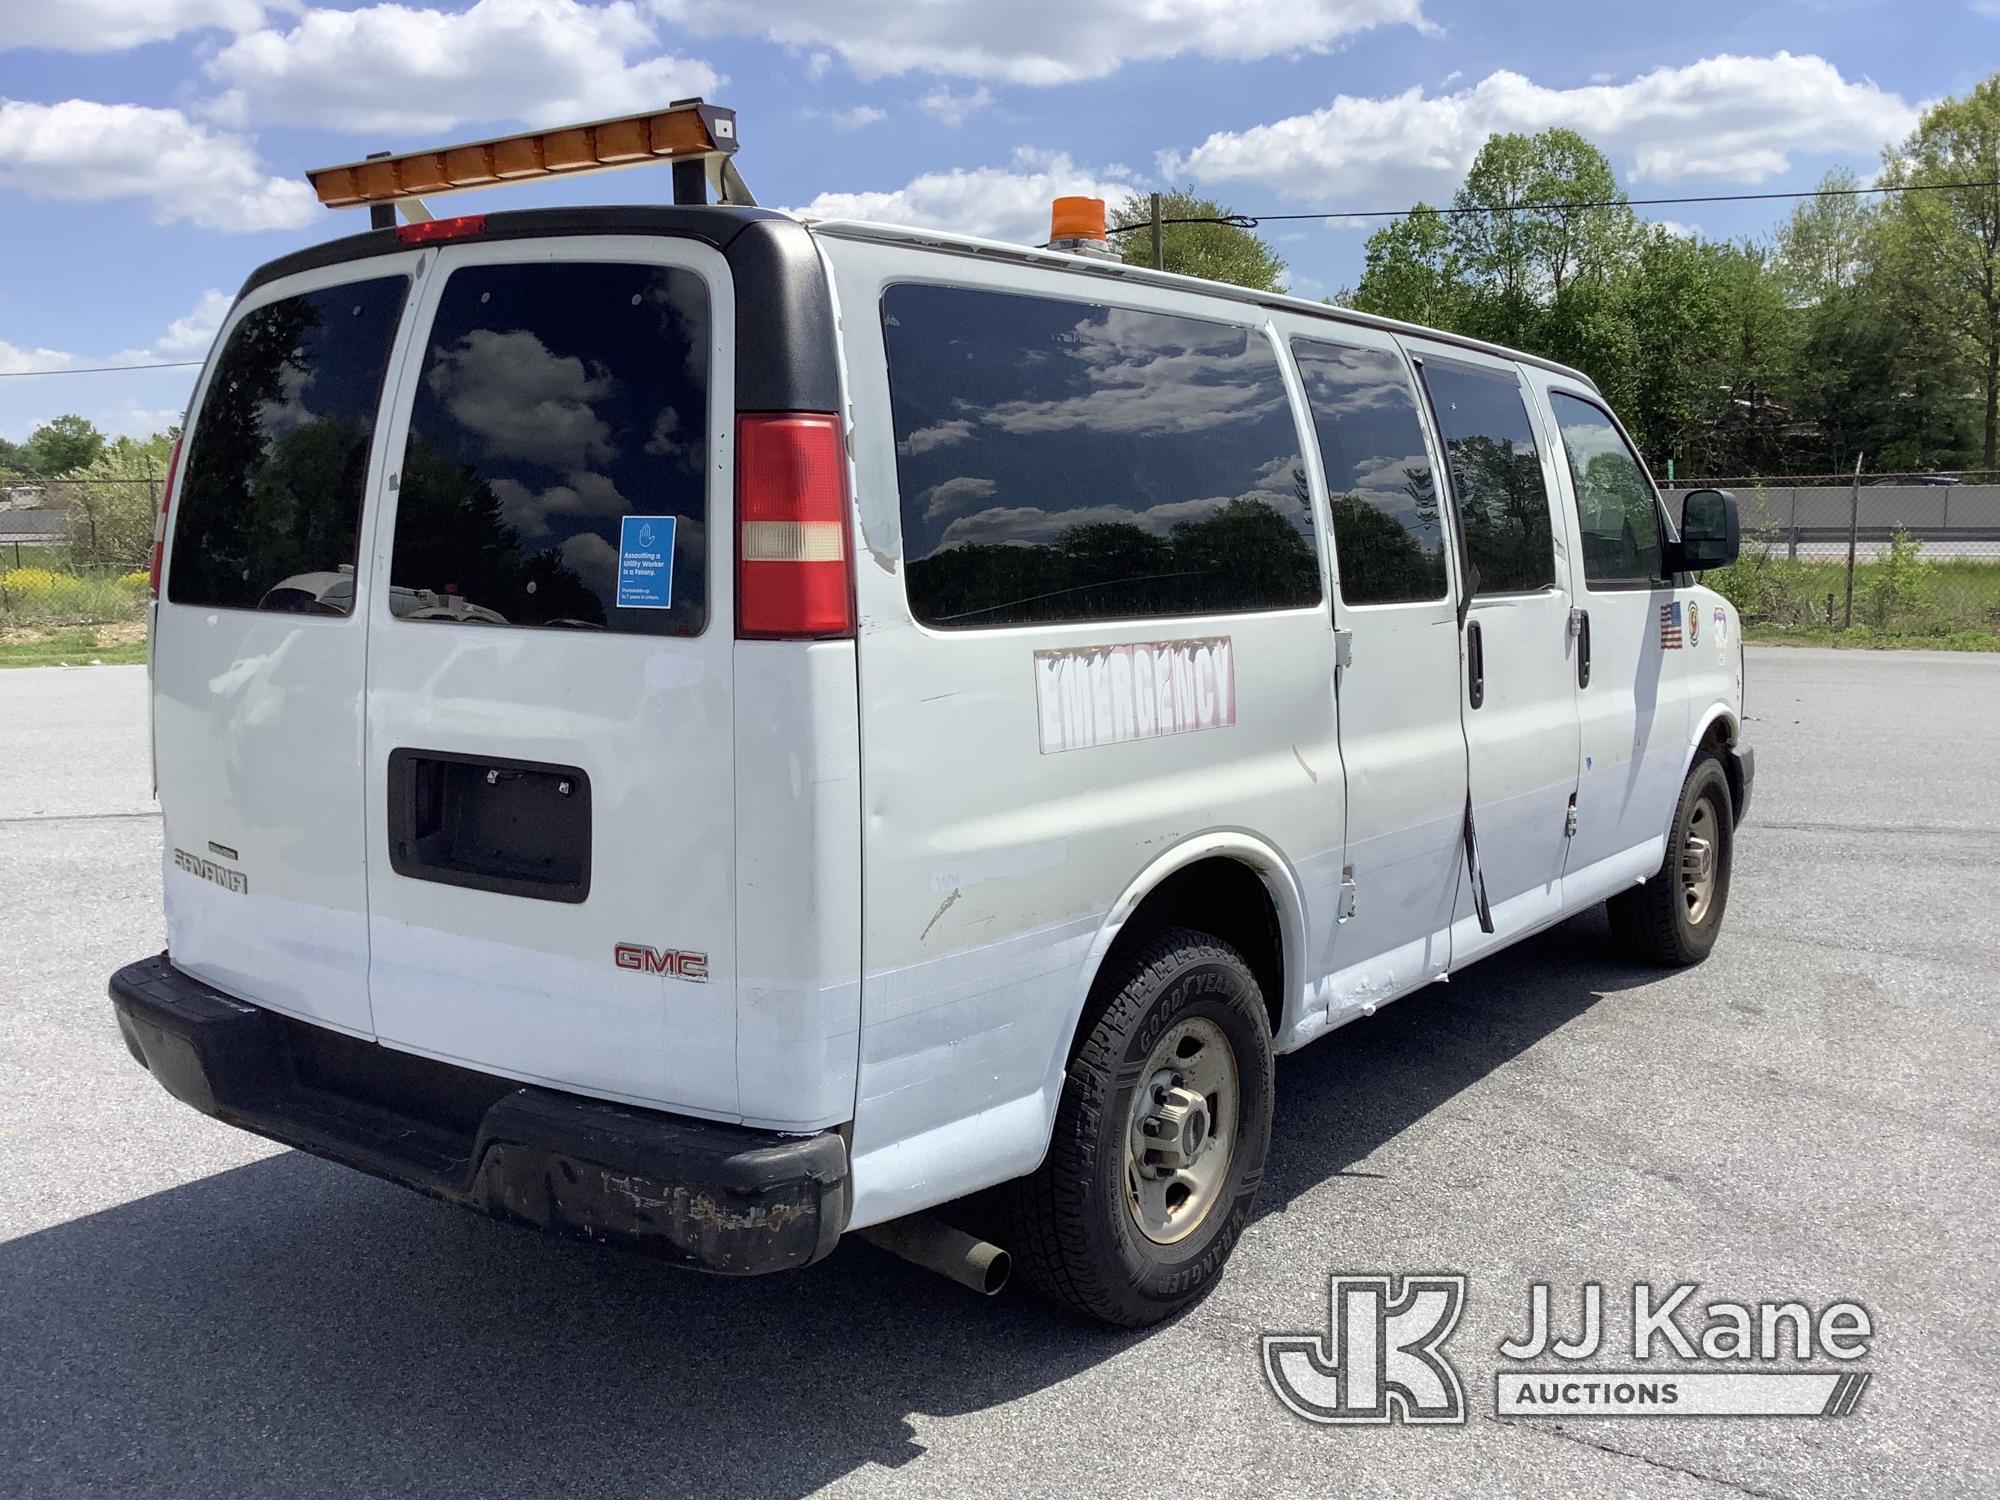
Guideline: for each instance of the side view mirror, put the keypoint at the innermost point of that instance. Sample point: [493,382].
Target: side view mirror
[1711,534]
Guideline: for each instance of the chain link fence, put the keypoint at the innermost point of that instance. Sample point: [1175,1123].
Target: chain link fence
[1894,554]
[76,551]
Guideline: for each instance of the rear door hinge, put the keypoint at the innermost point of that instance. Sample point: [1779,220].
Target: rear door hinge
[1569,821]
[1343,648]
[1348,904]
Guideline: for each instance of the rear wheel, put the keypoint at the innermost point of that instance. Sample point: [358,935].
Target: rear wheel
[1160,1138]
[1674,917]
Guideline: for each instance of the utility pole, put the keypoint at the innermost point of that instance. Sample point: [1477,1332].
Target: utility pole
[1853,525]
[1159,248]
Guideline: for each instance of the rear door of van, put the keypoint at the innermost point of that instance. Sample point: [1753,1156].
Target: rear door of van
[550,798]
[260,640]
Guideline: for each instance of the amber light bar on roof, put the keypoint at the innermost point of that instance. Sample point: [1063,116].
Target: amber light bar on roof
[687,131]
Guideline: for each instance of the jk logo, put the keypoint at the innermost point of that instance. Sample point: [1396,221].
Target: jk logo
[1379,1360]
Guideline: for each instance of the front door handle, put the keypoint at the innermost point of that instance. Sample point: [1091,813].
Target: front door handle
[1580,626]
[1475,664]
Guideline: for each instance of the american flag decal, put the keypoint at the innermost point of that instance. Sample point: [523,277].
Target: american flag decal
[1670,626]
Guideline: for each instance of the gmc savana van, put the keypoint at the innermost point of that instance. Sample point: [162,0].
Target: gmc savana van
[708,732]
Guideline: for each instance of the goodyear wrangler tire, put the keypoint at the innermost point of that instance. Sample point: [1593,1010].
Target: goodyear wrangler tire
[1673,919]
[1160,1138]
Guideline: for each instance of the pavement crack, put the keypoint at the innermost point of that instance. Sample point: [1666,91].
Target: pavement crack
[110,817]
[1921,830]
[1652,1463]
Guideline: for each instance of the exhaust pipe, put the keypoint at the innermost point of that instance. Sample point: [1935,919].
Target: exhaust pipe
[936,1246]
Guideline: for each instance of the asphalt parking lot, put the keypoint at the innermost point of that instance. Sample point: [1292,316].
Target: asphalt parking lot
[186,1310]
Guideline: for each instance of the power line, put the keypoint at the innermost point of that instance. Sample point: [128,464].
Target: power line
[1251,221]
[169,364]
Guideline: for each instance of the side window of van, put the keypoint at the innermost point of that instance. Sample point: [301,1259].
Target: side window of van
[269,510]
[1496,473]
[1615,503]
[559,401]
[1064,460]
[1387,528]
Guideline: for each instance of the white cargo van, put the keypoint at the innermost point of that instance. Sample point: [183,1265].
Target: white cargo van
[707,732]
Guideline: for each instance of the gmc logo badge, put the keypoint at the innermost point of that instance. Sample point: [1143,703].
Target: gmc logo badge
[693,966]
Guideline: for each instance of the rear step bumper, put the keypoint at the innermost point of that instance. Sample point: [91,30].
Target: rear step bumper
[717,1197]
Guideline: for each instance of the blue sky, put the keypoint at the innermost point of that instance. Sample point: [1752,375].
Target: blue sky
[151,151]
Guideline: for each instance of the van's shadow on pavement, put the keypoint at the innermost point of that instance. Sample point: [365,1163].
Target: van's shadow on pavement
[293,1327]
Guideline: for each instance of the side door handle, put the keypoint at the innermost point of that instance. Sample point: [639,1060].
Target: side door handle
[1475,664]
[1579,624]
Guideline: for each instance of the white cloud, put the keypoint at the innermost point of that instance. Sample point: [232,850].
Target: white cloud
[389,68]
[857,117]
[15,360]
[186,338]
[112,25]
[81,151]
[1004,203]
[1731,118]
[954,110]
[1041,41]
[190,337]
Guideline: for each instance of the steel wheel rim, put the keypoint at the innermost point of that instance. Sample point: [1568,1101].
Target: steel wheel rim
[1178,1155]
[1699,854]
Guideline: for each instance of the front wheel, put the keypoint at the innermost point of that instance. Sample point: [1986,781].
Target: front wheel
[1674,917]
[1160,1137]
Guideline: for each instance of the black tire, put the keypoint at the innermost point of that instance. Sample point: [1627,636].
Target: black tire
[1659,922]
[1073,1232]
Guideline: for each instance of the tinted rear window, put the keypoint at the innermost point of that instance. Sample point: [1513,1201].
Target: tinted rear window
[269,505]
[560,425]
[1063,460]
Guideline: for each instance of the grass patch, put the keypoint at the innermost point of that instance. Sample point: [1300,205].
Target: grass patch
[1900,597]
[1861,638]
[112,647]
[38,597]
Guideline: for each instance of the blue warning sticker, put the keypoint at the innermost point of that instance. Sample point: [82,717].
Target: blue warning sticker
[646,562]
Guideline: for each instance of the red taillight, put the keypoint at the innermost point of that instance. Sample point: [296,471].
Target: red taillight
[432,230]
[794,570]
[160,521]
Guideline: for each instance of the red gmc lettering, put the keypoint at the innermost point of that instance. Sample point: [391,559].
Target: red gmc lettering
[690,966]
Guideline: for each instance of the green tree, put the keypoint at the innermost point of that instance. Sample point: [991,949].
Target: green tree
[1219,252]
[1824,245]
[1944,246]
[1524,251]
[66,443]
[1413,272]
[13,459]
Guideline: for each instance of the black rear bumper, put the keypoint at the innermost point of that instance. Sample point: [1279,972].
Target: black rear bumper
[716,1197]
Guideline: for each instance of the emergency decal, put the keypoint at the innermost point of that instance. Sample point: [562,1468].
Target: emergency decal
[1721,634]
[1670,626]
[1694,626]
[646,562]
[1105,695]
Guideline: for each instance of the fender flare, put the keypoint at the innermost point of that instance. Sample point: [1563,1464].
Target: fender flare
[1715,711]
[1264,861]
